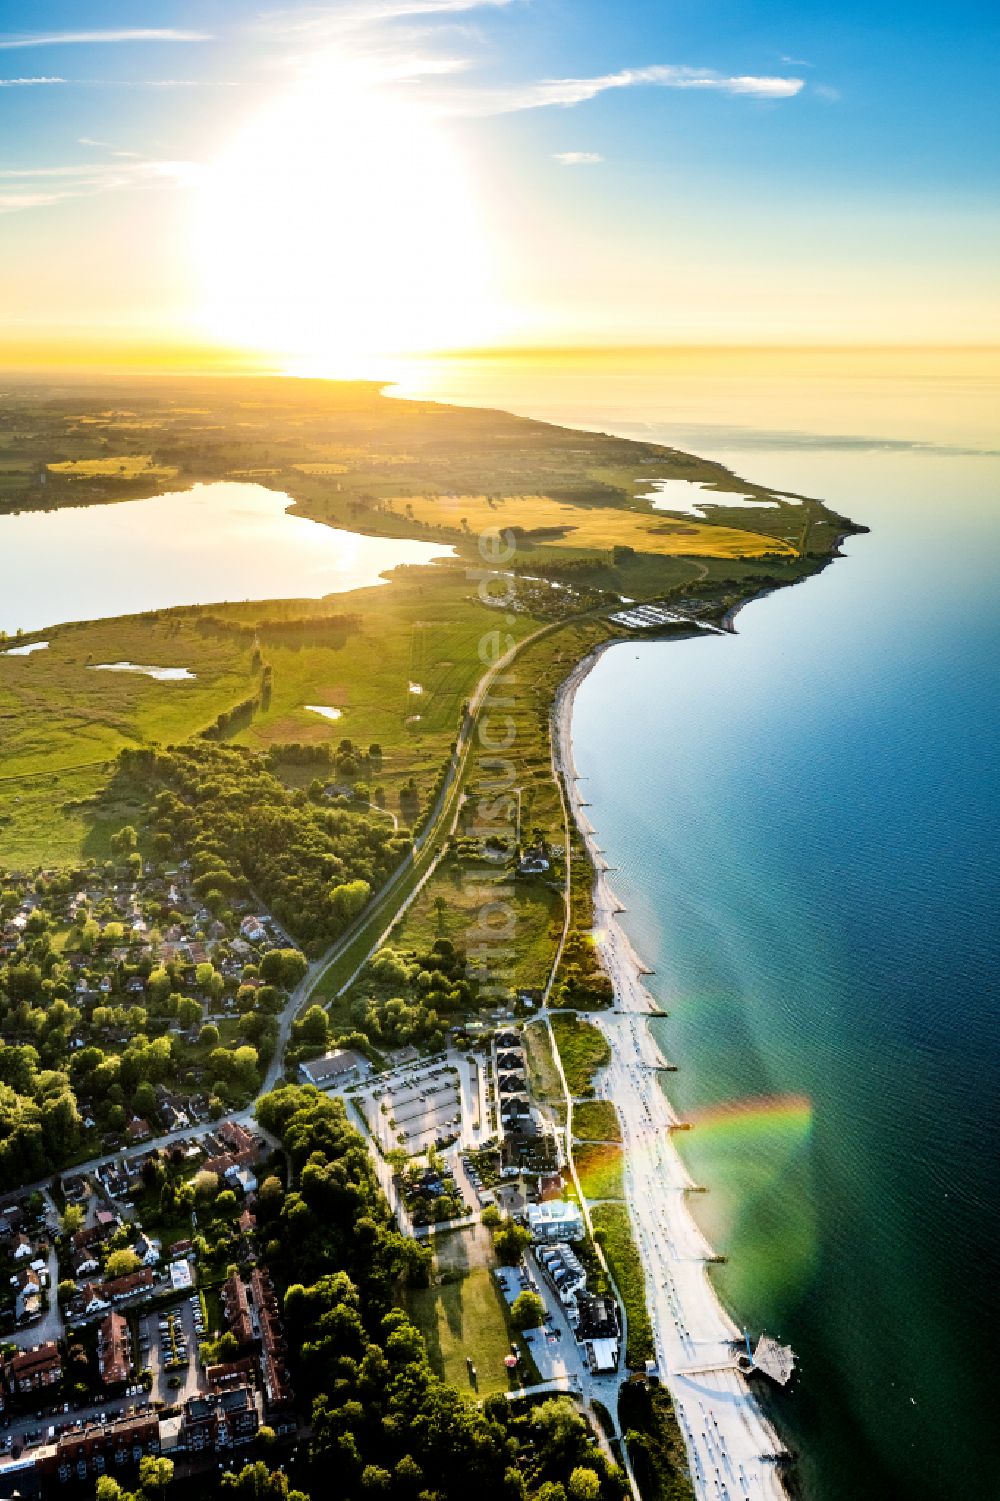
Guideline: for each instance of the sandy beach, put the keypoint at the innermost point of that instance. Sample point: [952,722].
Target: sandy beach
[731,1446]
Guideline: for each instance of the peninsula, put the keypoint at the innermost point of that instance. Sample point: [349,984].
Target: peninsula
[328,853]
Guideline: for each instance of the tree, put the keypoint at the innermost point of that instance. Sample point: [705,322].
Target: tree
[527,1310]
[584,1485]
[189,1011]
[284,967]
[108,1489]
[270,1197]
[348,899]
[206,1184]
[221,1350]
[72,1219]
[125,841]
[155,1474]
[120,1263]
[209,1035]
[511,1241]
[491,1217]
[314,1028]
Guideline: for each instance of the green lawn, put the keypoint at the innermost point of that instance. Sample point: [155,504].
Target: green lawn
[596,1120]
[464,1315]
[599,1165]
[613,1229]
[583,1050]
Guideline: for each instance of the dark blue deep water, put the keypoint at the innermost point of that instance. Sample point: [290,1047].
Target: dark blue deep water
[805,819]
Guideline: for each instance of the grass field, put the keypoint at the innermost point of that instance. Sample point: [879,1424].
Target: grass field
[593,527]
[583,1050]
[613,1229]
[599,1166]
[449,907]
[542,1073]
[124,466]
[62,723]
[464,1315]
[596,1120]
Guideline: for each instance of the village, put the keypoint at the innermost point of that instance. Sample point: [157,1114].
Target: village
[144,1317]
[158,1013]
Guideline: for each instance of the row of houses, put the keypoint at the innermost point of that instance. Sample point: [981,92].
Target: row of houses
[253,1316]
[593,1318]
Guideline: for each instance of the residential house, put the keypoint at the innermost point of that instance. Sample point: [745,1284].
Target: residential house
[32,1370]
[219,1420]
[147,1249]
[113,1349]
[273,1368]
[237,1310]
[100,1450]
[27,1285]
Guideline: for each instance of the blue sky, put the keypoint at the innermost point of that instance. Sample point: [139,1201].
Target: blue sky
[607,172]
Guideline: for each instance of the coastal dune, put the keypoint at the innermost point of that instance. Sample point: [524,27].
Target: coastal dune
[732,1448]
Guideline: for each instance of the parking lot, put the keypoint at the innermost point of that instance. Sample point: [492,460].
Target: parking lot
[418,1105]
[168,1345]
[415,1109]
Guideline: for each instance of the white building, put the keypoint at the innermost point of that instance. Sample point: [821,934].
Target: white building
[555,1220]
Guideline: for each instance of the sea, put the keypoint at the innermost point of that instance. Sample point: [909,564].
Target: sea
[804,824]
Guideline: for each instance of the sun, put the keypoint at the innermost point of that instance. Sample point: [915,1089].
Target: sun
[340,225]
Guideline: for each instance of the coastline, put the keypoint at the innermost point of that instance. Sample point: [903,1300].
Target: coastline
[725,1428]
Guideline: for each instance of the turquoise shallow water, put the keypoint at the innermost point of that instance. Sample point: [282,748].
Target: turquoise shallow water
[804,820]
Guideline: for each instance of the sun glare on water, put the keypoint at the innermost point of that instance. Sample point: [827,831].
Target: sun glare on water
[338,226]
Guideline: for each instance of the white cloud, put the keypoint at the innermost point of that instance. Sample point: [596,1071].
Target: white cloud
[577,158]
[27,83]
[826,91]
[794,62]
[72,38]
[40,187]
[566,92]
[325,19]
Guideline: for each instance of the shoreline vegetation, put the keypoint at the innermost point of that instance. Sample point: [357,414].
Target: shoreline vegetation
[83,754]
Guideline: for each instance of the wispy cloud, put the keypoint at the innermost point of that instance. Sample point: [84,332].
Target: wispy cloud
[10,43]
[316,20]
[27,83]
[794,62]
[577,158]
[107,146]
[41,187]
[566,92]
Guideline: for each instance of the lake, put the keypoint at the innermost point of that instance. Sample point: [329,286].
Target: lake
[226,541]
[805,822]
